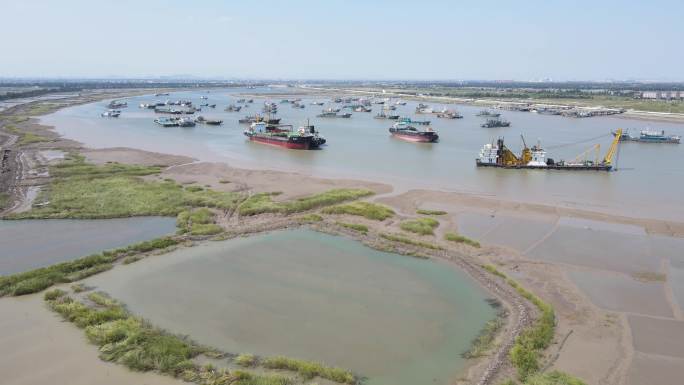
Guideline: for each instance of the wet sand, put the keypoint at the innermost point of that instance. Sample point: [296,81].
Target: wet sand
[38,348]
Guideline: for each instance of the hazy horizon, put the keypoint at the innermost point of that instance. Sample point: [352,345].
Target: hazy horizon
[336,40]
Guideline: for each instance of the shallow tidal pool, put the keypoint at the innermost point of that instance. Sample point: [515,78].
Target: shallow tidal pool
[298,293]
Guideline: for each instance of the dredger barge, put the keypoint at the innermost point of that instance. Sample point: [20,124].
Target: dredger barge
[498,155]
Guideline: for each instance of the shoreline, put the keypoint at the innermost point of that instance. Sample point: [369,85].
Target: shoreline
[651,116]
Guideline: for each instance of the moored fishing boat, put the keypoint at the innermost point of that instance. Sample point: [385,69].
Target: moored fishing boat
[305,138]
[405,131]
[111,114]
[493,123]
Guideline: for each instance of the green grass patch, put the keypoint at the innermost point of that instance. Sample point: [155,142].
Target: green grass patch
[409,241]
[310,218]
[453,237]
[245,360]
[263,202]
[194,188]
[365,209]
[354,226]
[54,294]
[431,212]
[86,191]
[553,378]
[197,222]
[37,280]
[422,226]
[310,369]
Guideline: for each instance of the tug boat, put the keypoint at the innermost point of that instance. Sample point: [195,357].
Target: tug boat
[405,131]
[305,138]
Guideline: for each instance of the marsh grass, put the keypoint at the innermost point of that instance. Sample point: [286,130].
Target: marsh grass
[39,279]
[310,369]
[245,360]
[263,202]
[78,288]
[409,241]
[354,226]
[422,226]
[86,191]
[137,344]
[553,378]
[197,222]
[431,212]
[453,237]
[365,209]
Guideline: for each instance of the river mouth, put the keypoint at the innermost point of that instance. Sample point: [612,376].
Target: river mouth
[32,243]
[298,293]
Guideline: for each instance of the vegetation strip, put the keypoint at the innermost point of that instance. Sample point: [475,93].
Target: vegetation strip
[354,226]
[197,222]
[365,209]
[135,343]
[263,202]
[431,212]
[453,237]
[39,279]
[531,342]
[409,241]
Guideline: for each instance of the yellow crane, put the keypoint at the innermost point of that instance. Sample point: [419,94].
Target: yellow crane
[582,158]
[608,159]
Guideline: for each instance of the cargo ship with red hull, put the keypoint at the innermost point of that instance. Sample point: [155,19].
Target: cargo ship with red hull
[305,138]
[407,132]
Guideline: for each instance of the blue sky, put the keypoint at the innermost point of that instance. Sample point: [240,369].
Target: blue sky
[520,40]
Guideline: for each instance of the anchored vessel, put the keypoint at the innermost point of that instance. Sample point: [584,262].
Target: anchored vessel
[405,131]
[111,114]
[498,155]
[305,138]
[488,114]
[492,123]
[647,136]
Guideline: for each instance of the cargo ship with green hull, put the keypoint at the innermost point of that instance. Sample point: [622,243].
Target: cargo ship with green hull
[305,138]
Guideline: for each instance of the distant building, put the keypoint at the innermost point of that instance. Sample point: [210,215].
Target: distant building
[662,95]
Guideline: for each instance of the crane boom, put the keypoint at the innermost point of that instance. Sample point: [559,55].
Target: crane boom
[613,147]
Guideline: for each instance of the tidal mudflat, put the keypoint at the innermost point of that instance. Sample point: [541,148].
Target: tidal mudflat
[29,244]
[394,319]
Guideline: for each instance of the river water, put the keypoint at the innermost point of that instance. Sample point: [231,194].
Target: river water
[29,244]
[397,320]
[649,183]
